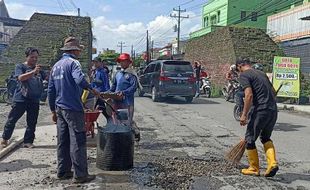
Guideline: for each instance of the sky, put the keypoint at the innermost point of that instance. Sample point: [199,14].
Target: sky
[117,21]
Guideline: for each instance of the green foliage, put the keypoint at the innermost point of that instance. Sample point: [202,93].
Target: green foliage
[138,62]
[216,91]
[109,57]
[304,87]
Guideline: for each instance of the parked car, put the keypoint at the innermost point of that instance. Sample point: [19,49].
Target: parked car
[168,78]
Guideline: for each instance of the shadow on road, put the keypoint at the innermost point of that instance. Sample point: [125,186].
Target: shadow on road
[287,127]
[180,100]
[288,178]
[18,165]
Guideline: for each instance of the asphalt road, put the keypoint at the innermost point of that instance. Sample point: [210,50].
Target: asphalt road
[182,146]
[207,127]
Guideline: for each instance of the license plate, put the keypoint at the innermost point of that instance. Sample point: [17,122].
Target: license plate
[179,81]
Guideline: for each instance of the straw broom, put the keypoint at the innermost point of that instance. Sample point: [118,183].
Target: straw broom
[236,152]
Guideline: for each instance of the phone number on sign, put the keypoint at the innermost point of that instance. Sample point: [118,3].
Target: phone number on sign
[291,76]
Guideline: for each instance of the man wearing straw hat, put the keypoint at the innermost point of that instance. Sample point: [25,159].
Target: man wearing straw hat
[260,94]
[65,88]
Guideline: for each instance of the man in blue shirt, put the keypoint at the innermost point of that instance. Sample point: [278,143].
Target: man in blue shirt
[125,85]
[101,83]
[64,90]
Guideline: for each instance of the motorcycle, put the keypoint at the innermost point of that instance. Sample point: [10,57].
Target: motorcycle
[239,99]
[233,90]
[205,86]
[44,92]
[8,94]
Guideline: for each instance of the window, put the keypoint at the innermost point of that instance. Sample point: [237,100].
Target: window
[213,20]
[206,21]
[150,68]
[157,68]
[218,16]
[243,15]
[177,66]
[254,16]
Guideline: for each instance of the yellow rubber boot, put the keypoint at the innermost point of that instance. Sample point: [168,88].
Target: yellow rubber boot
[253,162]
[271,159]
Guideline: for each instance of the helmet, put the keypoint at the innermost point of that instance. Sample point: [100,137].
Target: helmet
[258,66]
[233,67]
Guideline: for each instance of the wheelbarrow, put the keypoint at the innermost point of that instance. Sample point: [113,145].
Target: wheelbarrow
[90,119]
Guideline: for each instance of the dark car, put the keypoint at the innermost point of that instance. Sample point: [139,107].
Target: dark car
[168,78]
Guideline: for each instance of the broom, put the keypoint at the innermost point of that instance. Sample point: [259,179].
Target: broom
[236,152]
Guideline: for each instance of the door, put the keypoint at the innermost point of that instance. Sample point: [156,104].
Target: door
[145,78]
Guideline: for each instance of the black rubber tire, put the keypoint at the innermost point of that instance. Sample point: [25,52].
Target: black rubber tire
[155,96]
[237,112]
[189,99]
[6,97]
[141,93]
[208,93]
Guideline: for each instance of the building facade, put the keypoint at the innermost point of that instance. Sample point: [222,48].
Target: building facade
[244,13]
[9,27]
[291,29]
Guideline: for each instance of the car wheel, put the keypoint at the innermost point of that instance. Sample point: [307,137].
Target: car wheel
[140,92]
[155,96]
[188,99]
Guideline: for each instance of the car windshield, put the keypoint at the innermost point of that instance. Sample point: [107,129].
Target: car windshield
[175,66]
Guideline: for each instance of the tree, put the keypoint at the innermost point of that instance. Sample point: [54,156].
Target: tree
[109,57]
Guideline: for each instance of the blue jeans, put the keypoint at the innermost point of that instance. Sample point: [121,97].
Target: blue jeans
[71,143]
[197,87]
[18,110]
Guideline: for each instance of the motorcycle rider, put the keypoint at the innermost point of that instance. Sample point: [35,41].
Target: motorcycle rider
[197,69]
[231,76]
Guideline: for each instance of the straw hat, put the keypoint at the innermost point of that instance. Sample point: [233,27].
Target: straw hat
[71,43]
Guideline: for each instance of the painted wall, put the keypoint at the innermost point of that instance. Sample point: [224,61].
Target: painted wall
[228,12]
[215,13]
[287,25]
[262,8]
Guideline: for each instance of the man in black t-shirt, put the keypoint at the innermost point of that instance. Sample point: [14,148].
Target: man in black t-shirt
[260,94]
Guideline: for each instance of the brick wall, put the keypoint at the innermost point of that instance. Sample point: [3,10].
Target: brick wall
[47,33]
[220,49]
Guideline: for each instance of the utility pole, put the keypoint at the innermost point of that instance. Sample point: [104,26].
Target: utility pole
[121,45]
[131,53]
[179,24]
[152,49]
[147,47]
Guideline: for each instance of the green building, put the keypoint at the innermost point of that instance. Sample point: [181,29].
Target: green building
[244,13]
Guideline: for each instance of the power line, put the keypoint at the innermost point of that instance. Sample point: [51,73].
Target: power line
[73,4]
[61,6]
[188,2]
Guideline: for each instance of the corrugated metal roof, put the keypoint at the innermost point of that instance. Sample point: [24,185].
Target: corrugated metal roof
[3,10]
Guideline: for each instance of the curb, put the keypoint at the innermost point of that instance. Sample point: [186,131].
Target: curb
[293,108]
[11,147]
